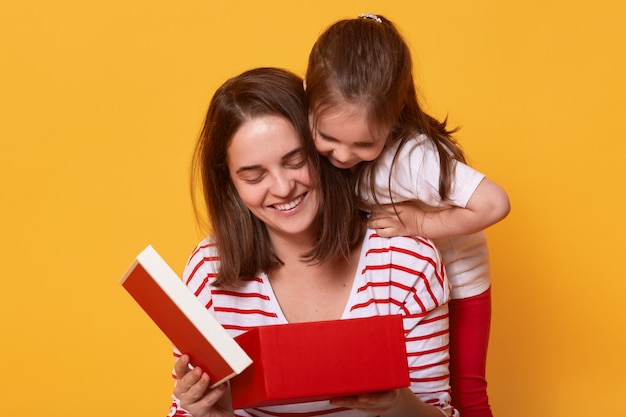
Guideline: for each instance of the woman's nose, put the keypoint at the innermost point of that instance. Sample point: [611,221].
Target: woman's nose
[282,185]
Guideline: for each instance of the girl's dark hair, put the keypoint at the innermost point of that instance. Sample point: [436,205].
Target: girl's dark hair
[366,61]
[242,239]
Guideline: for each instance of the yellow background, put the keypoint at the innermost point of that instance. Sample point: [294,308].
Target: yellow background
[101,102]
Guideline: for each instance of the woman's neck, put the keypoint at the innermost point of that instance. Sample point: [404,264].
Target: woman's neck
[311,291]
[291,247]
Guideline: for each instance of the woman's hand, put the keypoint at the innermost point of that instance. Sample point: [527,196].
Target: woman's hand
[195,395]
[396,403]
[375,403]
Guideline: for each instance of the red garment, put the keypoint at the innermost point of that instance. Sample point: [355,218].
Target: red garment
[470,320]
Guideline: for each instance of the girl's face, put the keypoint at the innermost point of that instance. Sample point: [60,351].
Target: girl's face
[343,135]
[271,173]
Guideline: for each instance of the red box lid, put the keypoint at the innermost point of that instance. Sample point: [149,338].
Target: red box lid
[302,362]
[183,319]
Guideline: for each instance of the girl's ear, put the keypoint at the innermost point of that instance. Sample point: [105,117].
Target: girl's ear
[304,84]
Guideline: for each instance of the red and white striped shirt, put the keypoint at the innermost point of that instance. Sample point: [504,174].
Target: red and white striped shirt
[399,275]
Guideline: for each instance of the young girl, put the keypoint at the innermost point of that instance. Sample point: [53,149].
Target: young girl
[289,244]
[411,173]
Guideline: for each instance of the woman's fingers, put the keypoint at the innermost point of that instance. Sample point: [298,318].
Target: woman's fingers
[379,402]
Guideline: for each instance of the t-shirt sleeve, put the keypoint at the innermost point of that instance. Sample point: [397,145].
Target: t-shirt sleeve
[415,173]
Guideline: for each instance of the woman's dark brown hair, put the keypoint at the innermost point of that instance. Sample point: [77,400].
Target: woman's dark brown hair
[242,240]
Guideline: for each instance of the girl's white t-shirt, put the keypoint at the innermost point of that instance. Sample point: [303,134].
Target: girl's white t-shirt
[415,176]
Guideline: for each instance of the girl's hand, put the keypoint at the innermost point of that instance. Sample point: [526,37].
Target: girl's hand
[405,220]
[488,205]
[375,403]
[195,395]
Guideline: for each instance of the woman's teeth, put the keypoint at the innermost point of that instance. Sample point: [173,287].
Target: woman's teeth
[290,205]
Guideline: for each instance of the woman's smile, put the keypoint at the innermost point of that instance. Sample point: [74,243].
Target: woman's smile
[290,205]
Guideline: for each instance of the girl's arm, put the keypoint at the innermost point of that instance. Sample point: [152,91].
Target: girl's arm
[488,205]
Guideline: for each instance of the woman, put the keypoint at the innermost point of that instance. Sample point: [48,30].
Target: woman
[289,245]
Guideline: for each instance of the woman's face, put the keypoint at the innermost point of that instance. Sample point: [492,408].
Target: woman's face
[343,135]
[271,174]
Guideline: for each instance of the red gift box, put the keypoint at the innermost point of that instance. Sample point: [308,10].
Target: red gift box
[302,362]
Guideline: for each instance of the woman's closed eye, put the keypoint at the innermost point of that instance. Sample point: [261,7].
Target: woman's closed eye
[252,176]
[296,163]
[295,160]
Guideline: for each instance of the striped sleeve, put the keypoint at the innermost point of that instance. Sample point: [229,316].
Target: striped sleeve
[405,275]
[200,269]
[237,310]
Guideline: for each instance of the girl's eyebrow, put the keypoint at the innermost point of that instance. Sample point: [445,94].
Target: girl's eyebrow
[329,137]
[284,157]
